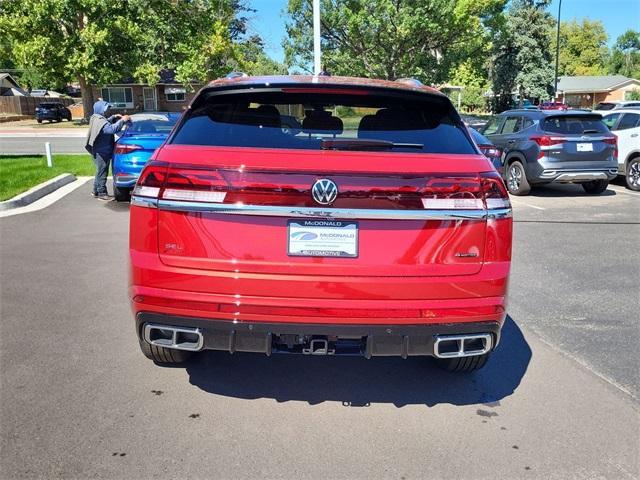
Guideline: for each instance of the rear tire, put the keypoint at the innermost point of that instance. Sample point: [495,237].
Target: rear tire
[39,120]
[595,187]
[121,194]
[464,364]
[161,355]
[517,182]
[633,174]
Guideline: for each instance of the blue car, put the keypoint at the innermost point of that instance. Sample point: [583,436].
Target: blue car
[145,133]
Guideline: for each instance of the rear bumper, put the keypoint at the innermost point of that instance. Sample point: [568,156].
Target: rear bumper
[550,175]
[368,340]
[125,180]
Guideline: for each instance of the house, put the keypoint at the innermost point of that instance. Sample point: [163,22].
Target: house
[588,91]
[9,87]
[167,95]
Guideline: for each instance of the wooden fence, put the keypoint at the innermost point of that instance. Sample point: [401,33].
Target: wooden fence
[27,105]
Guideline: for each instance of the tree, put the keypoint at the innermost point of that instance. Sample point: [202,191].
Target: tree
[389,38]
[522,58]
[101,41]
[474,83]
[625,55]
[255,62]
[583,48]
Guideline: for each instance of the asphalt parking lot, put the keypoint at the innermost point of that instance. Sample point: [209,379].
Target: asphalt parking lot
[559,399]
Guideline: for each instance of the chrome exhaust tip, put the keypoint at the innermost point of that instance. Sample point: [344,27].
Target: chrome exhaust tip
[455,346]
[179,338]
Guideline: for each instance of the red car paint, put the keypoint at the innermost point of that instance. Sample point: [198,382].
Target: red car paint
[235,268]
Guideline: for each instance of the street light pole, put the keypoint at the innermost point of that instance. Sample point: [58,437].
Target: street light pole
[317,53]
[555,86]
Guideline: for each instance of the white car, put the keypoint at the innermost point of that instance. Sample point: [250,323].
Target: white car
[625,124]
[616,105]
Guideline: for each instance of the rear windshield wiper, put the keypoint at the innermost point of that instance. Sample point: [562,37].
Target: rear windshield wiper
[365,144]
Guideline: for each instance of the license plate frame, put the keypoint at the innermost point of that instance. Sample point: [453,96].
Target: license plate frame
[323,238]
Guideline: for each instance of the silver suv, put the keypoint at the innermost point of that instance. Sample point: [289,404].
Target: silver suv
[541,147]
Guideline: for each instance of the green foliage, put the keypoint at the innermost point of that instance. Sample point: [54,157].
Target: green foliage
[625,55]
[634,95]
[390,38]
[20,173]
[522,57]
[583,48]
[474,83]
[254,61]
[103,41]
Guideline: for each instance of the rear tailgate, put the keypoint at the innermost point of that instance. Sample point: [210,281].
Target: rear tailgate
[225,235]
[580,140]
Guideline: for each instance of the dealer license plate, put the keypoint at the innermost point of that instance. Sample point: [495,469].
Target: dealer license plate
[585,147]
[322,238]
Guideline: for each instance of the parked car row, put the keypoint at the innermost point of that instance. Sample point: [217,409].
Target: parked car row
[542,147]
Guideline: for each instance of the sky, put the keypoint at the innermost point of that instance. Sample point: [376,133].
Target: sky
[616,15]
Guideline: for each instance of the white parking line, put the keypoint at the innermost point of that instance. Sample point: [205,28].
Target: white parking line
[518,201]
[623,190]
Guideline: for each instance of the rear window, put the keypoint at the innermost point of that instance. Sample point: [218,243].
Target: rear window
[306,118]
[574,125]
[150,124]
[605,106]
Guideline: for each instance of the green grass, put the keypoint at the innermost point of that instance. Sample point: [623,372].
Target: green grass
[19,173]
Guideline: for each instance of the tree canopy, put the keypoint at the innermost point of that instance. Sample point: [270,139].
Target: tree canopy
[583,48]
[389,39]
[522,58]
[101,41]
[625,55]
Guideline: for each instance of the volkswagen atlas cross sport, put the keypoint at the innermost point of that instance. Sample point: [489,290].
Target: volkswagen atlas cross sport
[377,228]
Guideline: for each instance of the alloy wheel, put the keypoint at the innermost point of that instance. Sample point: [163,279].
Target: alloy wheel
[634,174]
[515,178]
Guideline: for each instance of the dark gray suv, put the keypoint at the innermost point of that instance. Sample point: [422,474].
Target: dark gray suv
[542,147]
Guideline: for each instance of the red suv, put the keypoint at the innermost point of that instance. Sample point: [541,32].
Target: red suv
[377,228]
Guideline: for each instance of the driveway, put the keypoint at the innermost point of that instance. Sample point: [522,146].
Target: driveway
[558,399]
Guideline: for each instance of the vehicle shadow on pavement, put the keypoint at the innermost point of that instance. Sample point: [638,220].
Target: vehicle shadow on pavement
[568,190]
[357,382]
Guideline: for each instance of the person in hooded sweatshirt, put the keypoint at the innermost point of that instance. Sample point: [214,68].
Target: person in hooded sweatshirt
[100,144]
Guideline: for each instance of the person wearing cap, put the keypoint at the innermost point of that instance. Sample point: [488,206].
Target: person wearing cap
[101,142]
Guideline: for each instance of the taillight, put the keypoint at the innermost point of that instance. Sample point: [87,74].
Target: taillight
[466,193]
[151,180]
[123,148]
[490,151]
[545,141]
[613,141]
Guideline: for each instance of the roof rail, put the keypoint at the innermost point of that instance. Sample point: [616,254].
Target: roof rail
[410,81]
[232,75]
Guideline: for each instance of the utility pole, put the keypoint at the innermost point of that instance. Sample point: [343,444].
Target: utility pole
[555,86]
[317,53]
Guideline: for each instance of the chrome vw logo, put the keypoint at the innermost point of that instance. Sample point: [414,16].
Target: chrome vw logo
[324,191]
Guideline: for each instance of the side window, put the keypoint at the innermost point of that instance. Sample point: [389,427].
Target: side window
[610,120]
[493,126]
[526,123]
[512,125]
[629,120]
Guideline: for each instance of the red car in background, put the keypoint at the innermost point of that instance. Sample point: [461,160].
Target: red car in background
[377,229]
[554,106]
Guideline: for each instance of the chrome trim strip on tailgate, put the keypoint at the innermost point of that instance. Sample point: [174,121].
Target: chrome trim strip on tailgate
[311,212]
